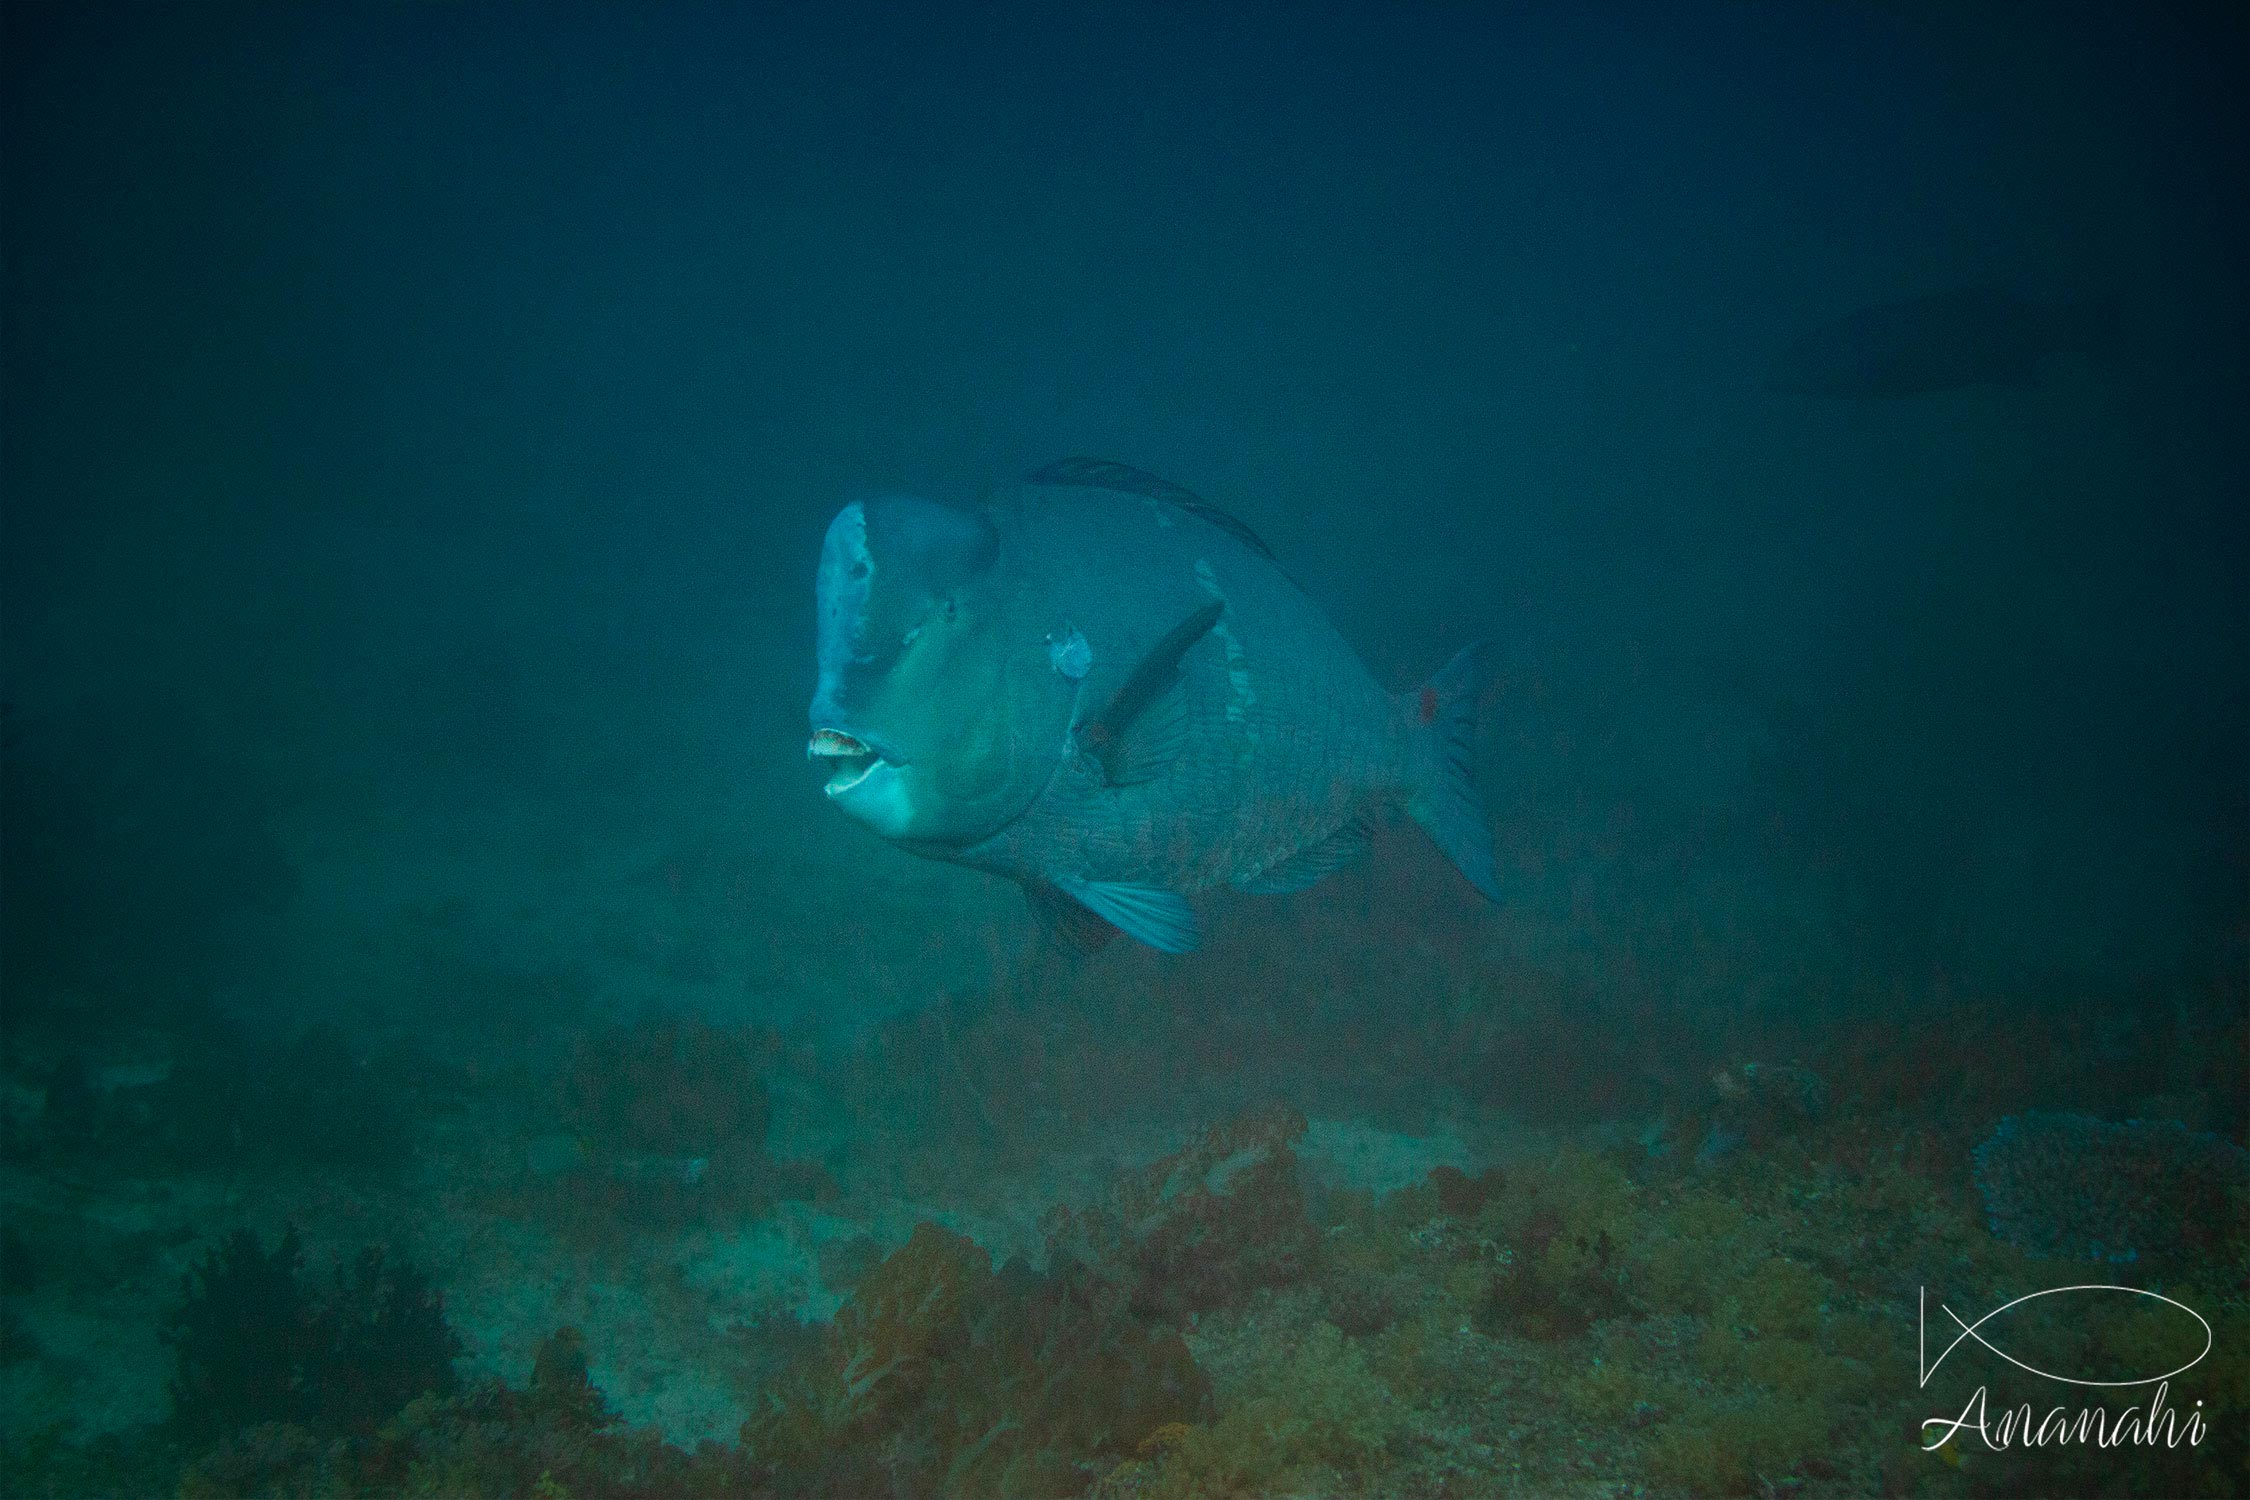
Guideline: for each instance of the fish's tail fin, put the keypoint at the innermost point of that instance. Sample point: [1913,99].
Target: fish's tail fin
[1441,718]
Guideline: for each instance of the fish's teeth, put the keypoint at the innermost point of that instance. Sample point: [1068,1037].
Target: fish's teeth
[854,759]
[835,742]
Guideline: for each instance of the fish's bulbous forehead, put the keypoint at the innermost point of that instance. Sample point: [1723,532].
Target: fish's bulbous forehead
[902,545]
[842,583]
[934,545]
[845,545]
[884,562]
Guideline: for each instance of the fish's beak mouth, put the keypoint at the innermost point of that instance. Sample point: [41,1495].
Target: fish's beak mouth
[851,760]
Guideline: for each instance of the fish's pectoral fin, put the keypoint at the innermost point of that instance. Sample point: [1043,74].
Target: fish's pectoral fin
[1142,729]
[1146,913]
[1068,922]
[1150,743]
[1347,845]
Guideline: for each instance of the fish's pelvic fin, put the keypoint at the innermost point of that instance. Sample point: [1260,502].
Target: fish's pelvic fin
[1441,796]
[1142,729]
[1347,845]
[1147,914]
[1066,921]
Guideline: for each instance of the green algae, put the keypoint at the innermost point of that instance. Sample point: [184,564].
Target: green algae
[1316,1417]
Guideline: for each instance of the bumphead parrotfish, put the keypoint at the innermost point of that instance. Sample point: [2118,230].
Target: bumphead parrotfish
[1103,687]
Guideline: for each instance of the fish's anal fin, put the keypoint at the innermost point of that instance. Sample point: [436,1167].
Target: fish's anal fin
[1071,924]
[1146,913]
[1144,726]
[1347,845]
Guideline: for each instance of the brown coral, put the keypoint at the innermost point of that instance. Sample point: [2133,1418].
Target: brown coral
[878,1353]
[942,1377]
[1203,1227]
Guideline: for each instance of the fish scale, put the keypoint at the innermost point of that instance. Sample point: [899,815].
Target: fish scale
[1247,792]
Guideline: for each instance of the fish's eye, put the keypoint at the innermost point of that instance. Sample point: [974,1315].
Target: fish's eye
[947,609]
[859,569]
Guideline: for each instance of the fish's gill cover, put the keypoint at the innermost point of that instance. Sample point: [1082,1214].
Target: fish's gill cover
[2073,1187]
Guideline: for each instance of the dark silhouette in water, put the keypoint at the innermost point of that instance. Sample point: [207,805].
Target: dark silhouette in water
[1941,342]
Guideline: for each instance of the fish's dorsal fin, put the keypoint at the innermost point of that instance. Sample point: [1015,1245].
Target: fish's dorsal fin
[1104,474]
[1142,729]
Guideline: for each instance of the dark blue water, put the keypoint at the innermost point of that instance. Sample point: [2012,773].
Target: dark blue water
[417,430]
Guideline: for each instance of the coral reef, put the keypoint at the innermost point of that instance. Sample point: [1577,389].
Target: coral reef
[1601,1314]
[941,1376]
[878,1355]
[2068,1186]
[1656,1309]
[1757,1104]
[1321,1418]
[256,1346]
[1202,1227]
[244,1336]
[1548,1250]
[554,1438]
